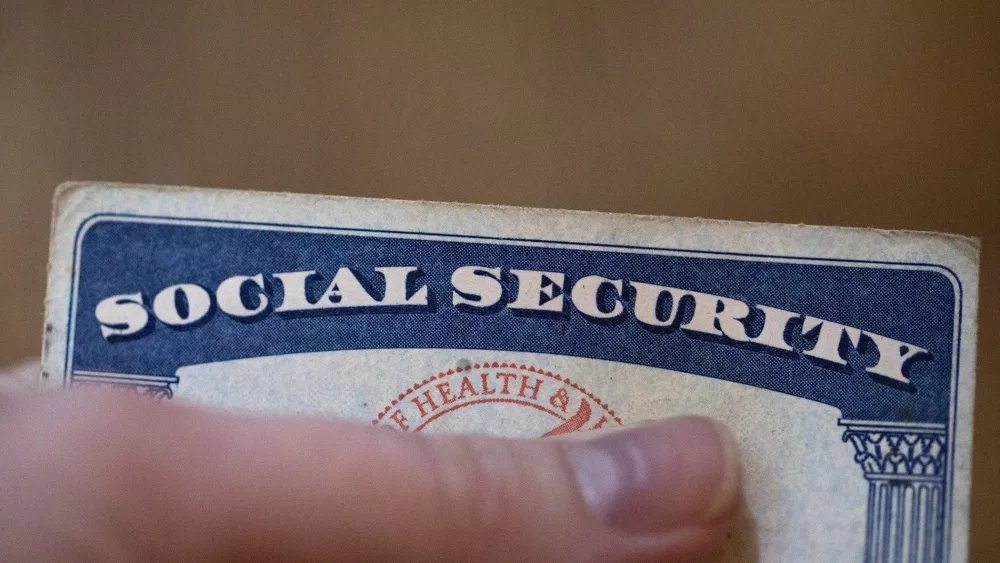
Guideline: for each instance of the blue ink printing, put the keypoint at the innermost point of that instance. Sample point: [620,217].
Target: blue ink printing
[878,341]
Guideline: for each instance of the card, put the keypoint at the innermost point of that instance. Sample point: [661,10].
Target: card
[842,359]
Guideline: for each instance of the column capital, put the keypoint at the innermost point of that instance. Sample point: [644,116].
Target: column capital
[897,450]
[154,386]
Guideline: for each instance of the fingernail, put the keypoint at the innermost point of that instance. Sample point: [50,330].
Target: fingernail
[679,472]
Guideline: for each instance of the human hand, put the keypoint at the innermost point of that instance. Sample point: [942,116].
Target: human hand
[104,476]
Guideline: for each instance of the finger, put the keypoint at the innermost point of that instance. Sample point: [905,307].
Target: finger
[19,377]
[213,486]
[592,433]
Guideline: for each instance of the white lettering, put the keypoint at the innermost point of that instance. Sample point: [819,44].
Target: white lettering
[585,294]
[122,316]
[719,316]
[182,305]
[344,291]
[775,323]
[294,287]
[893,356]
[229,296]
[539,291]
[396,278]
[482,289]
[476,286]
[647,298]
[831,334]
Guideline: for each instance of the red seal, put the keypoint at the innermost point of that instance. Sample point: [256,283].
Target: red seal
[501,394]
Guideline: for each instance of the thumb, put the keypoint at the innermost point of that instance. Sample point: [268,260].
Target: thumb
[186,484]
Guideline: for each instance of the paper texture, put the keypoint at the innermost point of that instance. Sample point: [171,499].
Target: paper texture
[843,359]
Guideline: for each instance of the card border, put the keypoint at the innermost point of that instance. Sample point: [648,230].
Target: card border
[956,281]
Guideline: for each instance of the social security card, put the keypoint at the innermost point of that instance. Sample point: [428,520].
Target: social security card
[843,359]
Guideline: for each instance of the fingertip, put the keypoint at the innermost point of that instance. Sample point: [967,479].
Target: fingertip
[676,473]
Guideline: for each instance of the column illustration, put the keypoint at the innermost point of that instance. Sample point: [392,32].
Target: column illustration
[904,464]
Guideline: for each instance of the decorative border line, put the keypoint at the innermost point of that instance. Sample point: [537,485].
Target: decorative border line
[870,426]
[153,385]
[96,218]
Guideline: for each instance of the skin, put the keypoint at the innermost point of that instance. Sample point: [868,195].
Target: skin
[88,475]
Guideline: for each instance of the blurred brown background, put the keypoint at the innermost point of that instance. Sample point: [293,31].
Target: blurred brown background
[881,113]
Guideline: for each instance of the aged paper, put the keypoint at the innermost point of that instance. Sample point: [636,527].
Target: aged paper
[843,359]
